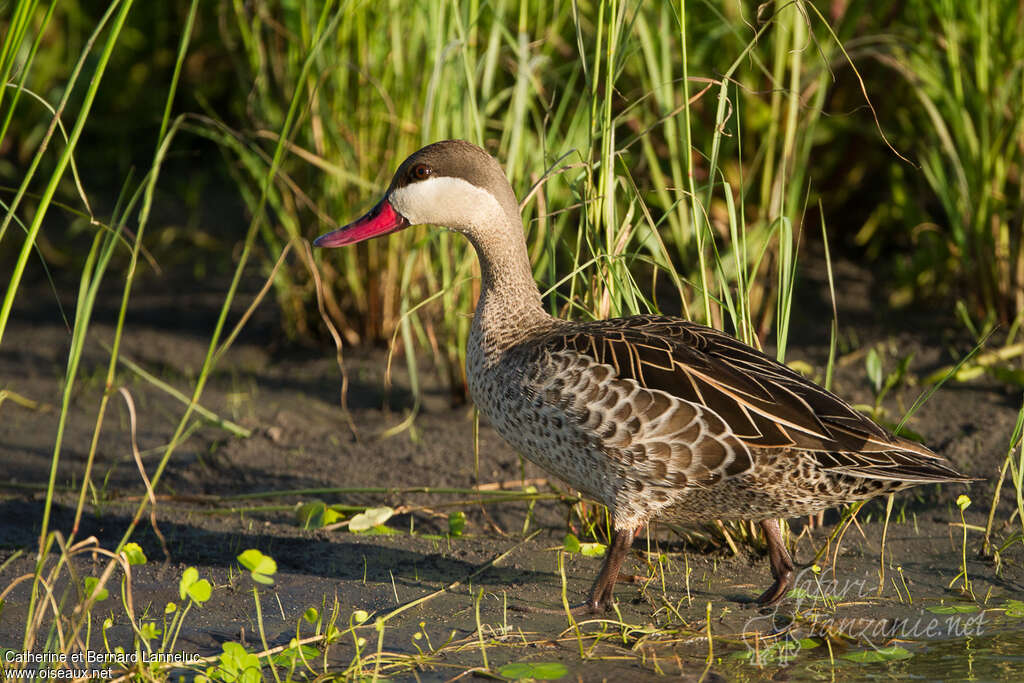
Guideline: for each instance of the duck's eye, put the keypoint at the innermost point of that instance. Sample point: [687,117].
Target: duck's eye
[420,172]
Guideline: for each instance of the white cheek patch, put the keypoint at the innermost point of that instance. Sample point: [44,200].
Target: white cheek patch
[446,201]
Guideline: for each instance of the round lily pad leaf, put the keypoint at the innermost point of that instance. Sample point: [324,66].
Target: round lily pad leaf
[541,671]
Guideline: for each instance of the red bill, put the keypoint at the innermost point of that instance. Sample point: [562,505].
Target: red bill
[380,220]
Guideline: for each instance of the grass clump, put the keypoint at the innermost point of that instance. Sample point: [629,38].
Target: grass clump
[962,66]
[630,161]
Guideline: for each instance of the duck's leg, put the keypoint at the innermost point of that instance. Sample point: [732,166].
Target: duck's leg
[782,563]
[601,594]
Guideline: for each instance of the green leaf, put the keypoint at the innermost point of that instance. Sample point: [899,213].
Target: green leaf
[191,586]
[884,654]
[262,578]
[571,543]
[542,671]
[1015,608]
[873,365]
[316,515]
[291,655]
[134,554]
[456,523]
[238,665]
[370,518]
[261,567]
[90,585]
[801,593]
[149,630]
[190,576]
[331,516]
[200,591]
[311,615]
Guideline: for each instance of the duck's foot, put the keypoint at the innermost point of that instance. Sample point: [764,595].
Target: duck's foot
[601,594]
[781,562]
[776,592]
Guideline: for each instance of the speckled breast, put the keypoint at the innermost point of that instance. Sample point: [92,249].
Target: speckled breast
[504,388]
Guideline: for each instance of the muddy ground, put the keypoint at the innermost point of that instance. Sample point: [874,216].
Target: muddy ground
[302,440]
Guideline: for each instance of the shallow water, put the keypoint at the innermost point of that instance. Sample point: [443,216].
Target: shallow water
[994,656]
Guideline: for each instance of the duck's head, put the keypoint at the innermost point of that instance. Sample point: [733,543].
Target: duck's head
[453,183]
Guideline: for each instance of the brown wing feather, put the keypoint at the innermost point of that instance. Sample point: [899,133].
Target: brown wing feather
[664,440]
[763,402]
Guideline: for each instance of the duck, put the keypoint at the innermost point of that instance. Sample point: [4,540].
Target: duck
[655,417]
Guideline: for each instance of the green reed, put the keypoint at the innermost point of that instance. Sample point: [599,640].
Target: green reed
[959,115]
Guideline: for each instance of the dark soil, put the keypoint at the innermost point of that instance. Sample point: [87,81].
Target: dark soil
[302,439]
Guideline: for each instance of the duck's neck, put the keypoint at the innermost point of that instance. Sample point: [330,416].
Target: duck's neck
[509,309]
